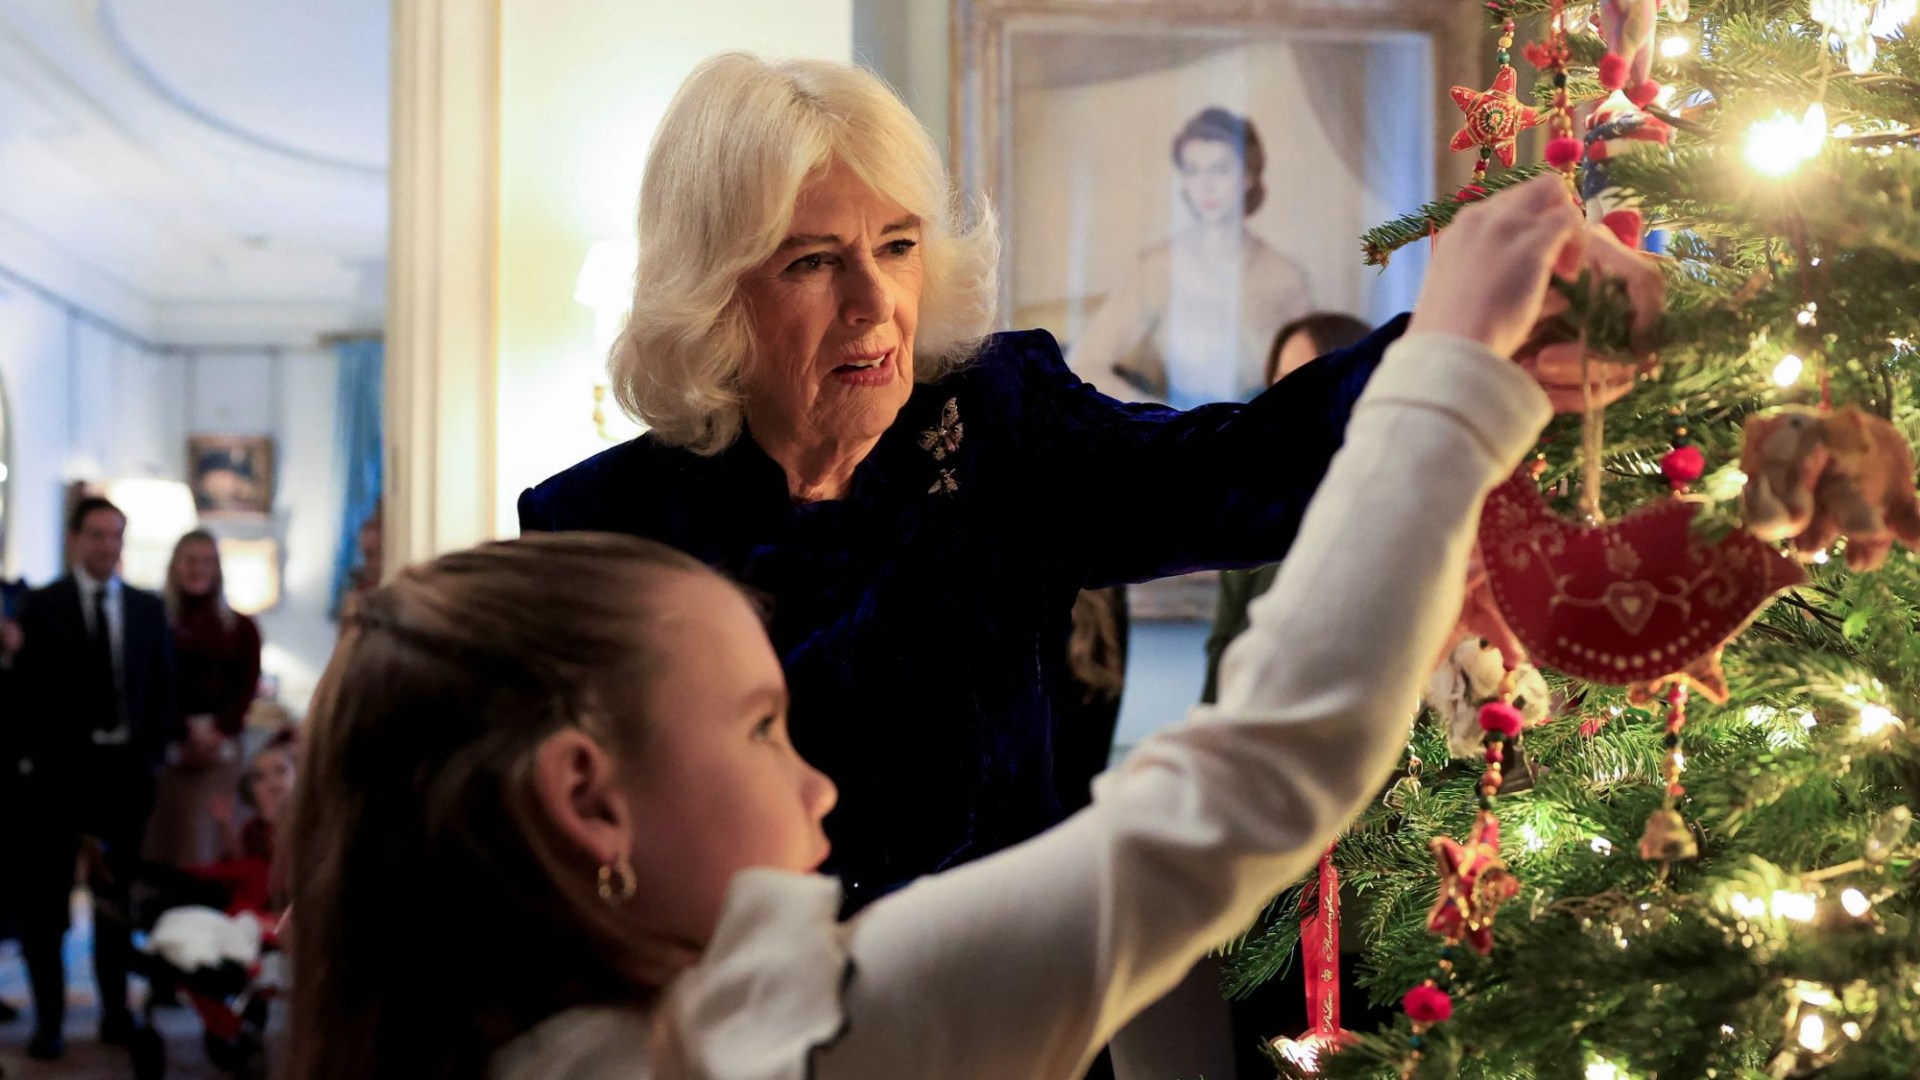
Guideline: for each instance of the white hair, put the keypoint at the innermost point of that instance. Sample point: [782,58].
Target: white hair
[741,138]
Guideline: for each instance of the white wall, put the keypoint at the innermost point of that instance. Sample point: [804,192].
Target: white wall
[583,84]
[86,403]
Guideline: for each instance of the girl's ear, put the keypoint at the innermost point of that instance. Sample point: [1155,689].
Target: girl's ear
[578,785]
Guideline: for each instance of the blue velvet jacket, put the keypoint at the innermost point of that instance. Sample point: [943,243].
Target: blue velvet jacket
[922,620]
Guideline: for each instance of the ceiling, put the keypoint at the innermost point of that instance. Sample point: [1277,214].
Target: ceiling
[198,170]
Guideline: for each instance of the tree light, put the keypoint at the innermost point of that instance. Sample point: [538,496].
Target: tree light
[1875,719]
[1813,1032]
[1855,902]
[1600,1068]
[1806,719]
[1787,371]
[1779,144]
[1797,906]
[1601,846]
[1675,46]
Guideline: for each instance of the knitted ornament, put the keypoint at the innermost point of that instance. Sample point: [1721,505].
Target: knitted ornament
[1618,127]
[1627,25]
[1494,117]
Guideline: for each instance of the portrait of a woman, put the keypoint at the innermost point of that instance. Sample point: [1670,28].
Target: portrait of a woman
[1190,321]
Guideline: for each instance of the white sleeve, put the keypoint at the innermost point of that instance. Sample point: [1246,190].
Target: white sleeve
[1023,964]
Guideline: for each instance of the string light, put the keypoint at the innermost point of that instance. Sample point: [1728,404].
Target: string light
[1807,314]
[1813,1032]
[1875,719]
[1806,719]
[1675,46]
[1798,906]
[1787,371]
[1856,903]
[1780,144]
[1600,1068]
[1601,846]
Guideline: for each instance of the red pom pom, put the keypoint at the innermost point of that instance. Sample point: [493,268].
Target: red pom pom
[1427,1005]
[1498,716]
[1644,93]
[1683,465]
[1613,71]
[1564,151]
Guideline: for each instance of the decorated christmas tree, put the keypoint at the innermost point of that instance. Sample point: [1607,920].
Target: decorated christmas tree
[1681,847]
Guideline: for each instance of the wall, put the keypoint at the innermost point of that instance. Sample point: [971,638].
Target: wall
[583,83]
[87,402]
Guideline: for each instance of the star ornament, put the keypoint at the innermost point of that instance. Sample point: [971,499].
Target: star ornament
[1495,118]
[1474,882]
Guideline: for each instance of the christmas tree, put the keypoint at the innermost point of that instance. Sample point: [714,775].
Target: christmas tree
[1697,888]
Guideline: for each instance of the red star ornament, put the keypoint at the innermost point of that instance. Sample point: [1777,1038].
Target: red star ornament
[1495,118]
[1632,602]
[1474,882]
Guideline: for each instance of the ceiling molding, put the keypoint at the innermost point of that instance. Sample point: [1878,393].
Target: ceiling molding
[124,52]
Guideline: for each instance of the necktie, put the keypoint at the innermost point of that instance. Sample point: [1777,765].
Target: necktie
[106,718]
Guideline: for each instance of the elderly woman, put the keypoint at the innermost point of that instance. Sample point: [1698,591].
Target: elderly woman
[918,504]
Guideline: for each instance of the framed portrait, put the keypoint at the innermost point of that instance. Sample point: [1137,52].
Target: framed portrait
[231,474]
[1178,180]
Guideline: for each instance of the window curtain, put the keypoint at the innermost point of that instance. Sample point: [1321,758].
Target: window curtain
[357,452]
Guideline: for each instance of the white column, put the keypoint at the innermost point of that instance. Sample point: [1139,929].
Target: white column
[442,365]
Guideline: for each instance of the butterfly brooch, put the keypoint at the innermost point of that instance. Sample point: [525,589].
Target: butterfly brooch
[944,439]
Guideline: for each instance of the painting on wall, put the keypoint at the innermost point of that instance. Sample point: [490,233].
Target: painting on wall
[1179,181]
[231,474]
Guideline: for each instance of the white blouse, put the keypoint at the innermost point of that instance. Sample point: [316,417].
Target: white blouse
[1021,965]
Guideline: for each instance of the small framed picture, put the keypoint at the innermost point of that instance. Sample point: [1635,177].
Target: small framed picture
[231,474]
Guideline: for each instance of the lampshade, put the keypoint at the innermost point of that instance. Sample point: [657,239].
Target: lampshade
[605,285]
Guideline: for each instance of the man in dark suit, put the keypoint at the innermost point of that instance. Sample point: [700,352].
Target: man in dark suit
[95,671]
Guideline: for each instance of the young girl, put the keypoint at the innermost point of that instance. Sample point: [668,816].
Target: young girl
[549,825]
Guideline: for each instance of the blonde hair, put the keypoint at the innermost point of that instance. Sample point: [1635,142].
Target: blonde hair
[741,139]
[176,597]
[437,912]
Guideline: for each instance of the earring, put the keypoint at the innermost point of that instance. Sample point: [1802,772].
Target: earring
[617,881]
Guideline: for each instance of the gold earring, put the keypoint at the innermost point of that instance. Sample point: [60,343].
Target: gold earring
[617,881]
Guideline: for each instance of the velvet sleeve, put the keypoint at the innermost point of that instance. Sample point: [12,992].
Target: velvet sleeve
[1120,492]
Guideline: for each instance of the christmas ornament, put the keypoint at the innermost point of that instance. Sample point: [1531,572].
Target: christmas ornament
[1854,24]
[1471,677]
[1630,602]
[1474,881]
[1563,150]
[1814,476]
[1494,117]
[1616,128]
[1667,838]
[1627,26]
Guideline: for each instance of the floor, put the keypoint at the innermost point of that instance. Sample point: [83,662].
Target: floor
[86,1059]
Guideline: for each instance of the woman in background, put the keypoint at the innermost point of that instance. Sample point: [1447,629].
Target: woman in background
[1207,301]
[218,653]
[1295,346]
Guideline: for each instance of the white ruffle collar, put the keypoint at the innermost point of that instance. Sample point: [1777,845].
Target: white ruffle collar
[764,997]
